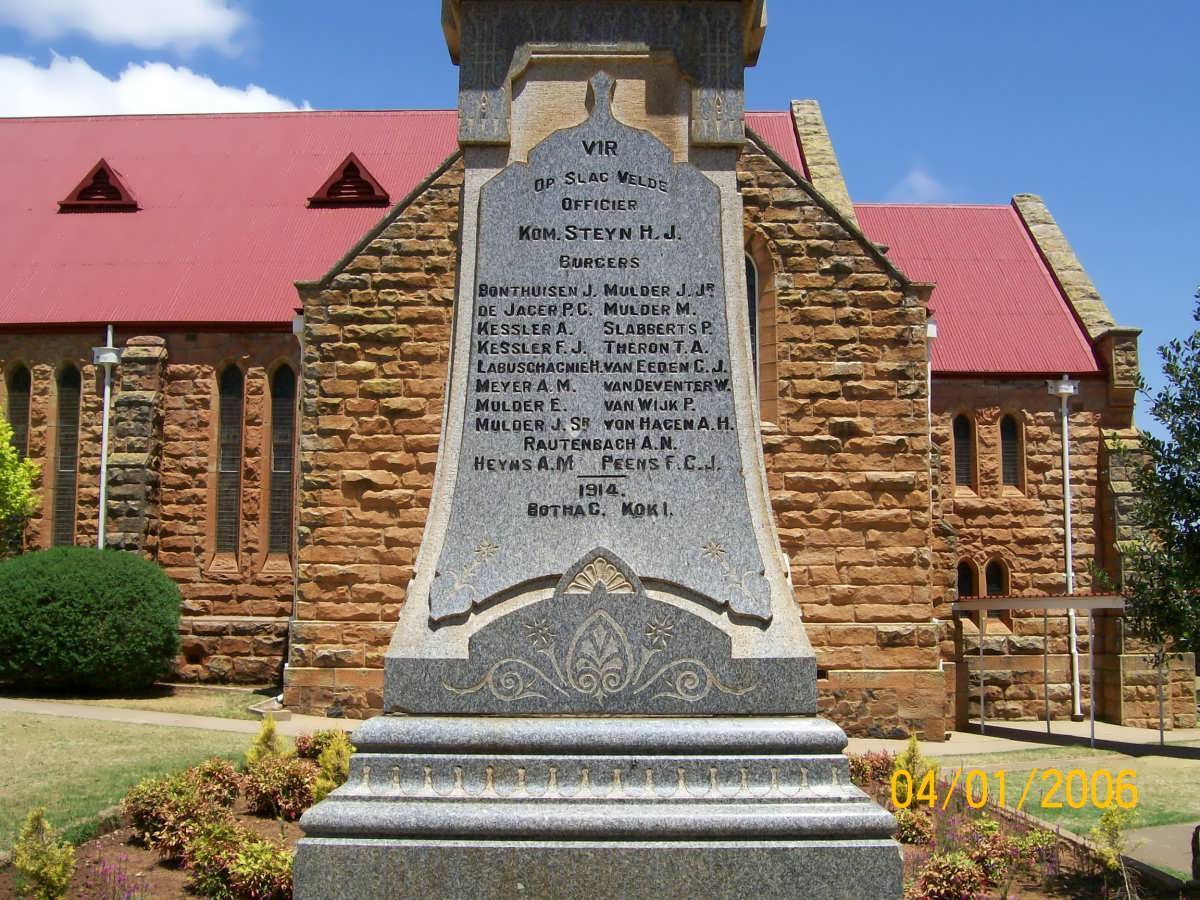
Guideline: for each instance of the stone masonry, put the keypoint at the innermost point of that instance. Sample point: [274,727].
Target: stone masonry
[846,457]
[864,497]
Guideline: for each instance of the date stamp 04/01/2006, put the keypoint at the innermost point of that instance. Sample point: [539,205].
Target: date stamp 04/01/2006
[1073,788]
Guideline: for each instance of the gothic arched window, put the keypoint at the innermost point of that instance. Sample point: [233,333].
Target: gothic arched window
[1010,452]
[283,459]
[964,451]
[19,384]
[229,459]
[66,457]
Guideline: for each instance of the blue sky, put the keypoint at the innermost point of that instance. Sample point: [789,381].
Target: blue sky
[1094,105]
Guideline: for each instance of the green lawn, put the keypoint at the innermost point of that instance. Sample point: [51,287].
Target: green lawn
[1168,788]
[77,767]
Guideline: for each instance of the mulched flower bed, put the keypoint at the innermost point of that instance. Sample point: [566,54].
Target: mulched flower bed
[116,867]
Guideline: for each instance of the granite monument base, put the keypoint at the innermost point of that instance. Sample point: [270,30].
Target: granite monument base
[598,807]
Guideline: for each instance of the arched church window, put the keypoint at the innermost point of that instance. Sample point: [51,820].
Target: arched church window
[66,457]
[1010,452]
[995,577]
[19,384]
[964,451]
[229,459]
[967,586]
[283,459]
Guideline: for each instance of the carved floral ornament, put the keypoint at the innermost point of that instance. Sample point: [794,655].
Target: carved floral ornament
[601,660]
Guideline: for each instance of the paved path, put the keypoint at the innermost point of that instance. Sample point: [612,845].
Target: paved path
[291,727]
[1012,736]
[1163,846]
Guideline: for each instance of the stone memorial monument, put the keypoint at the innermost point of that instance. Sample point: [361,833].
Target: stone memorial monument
[600,685]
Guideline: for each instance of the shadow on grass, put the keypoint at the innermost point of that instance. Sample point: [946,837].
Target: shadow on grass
[1129,748]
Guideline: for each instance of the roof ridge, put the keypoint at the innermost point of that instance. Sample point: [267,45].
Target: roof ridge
[885,204]
[266,114]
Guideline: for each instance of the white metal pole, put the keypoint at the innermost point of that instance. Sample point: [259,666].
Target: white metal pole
[1046,664]
[1065,389]
[1092,666]
[982,633]
[106,362]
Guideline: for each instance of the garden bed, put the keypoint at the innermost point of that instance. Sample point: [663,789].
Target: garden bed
[115,866]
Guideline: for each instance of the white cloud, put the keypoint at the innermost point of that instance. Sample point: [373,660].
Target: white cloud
[71,87]
[918,186]
[151,24]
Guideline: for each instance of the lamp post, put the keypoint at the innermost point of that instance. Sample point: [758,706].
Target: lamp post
[1066,388]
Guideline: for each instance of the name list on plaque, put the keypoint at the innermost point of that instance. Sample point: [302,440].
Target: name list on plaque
[599,400]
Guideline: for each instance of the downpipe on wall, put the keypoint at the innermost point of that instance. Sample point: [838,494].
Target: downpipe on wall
[1065,389]
[107,356]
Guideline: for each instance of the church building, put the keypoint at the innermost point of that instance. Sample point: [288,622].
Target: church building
[225,339]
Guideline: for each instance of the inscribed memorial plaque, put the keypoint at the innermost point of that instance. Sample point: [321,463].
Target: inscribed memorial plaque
[599,401]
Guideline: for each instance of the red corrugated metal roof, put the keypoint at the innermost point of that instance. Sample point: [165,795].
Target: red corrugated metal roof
[224,230]
[779,131]
[998,308]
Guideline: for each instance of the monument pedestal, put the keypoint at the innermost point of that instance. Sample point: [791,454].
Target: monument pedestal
[599,684]
[598,807]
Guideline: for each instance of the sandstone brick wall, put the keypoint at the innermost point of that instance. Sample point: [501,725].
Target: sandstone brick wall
[45,355]
[236,614]
[376,349]
[847,457]
[848,463]
[236,608]
[1023,527]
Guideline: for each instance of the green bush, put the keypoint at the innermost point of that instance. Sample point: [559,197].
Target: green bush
[262,870]
[217,780]
[210,853]
[311,746]
[79,618]
[335,765]
[948,876]
[44,866]
[167,813]
[914,827]
[228,862]
[267,743]
[281,786]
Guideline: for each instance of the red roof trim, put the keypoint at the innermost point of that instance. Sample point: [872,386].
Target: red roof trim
[340,188]
[100,190]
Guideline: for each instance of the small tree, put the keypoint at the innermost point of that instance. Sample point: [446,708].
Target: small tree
[17,500]
[1163,571]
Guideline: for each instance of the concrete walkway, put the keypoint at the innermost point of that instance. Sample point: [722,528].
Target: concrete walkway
[291,727]
[1163,846]
[998,739]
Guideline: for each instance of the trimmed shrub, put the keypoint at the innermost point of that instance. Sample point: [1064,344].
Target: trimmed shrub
[210,853]
[217,780]
[267,743]
[335,765]
[262,870]
[914,827]
[281,786]
[165,814]
[948,876]
[228,862]
[311,746]
[44,866]
[79,618]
